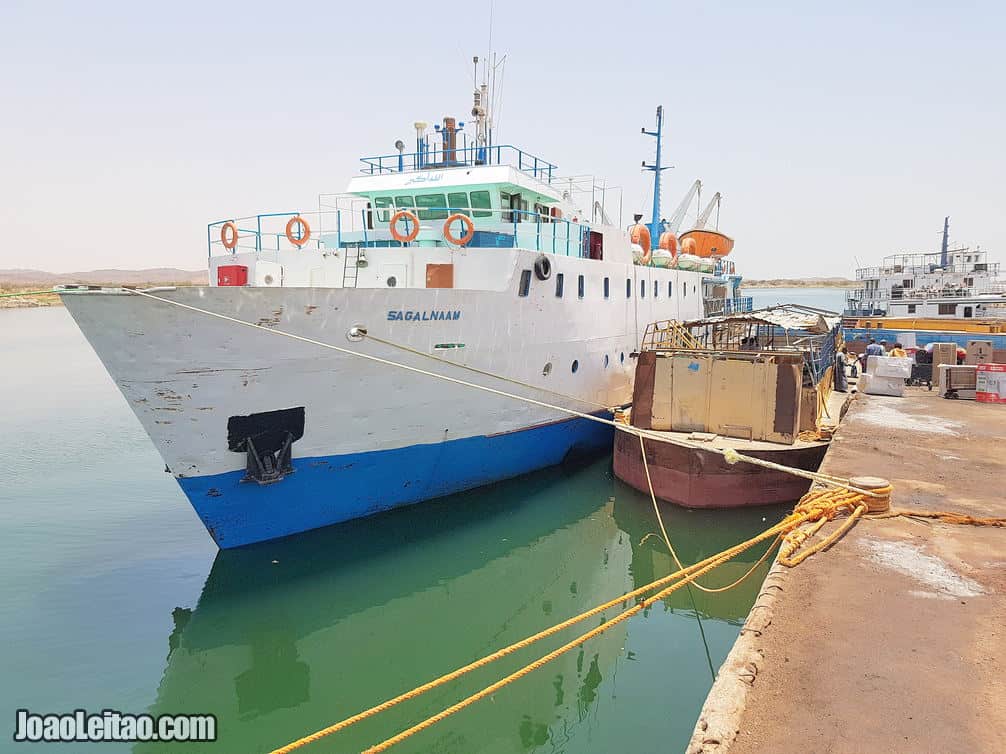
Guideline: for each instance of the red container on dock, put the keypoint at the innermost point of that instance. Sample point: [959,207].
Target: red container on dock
[232,274]
[990,383]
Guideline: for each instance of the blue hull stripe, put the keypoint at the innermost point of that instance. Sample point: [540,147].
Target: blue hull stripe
[328,489]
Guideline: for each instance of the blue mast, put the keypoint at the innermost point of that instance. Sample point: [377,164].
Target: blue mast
[657,168]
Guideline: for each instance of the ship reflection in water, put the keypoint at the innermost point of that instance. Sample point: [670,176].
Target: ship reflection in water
[290,636]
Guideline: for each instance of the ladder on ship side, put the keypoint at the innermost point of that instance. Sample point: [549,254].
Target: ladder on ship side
[351,268]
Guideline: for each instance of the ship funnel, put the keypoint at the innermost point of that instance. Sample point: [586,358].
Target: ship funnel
[450,133]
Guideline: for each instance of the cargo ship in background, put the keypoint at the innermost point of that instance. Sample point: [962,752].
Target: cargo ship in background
[953,295]
[471,259]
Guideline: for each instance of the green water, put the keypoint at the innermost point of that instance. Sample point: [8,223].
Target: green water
[114,597]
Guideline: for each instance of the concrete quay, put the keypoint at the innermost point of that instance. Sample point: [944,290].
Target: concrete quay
[894,640]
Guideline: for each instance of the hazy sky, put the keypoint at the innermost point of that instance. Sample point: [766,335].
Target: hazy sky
[834,130]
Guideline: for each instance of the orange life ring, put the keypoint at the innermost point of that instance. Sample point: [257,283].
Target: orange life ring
[404,214]
[305,235]
[229,241]
[469,229]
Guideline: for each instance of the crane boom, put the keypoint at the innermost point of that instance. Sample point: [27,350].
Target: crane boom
[700,223]
[679,214]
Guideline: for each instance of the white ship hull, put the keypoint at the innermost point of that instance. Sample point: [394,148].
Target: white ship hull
[376,436]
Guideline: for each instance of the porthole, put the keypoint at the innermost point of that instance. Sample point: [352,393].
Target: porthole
[392,281]
[605,361]
[546,370]
[575,366]
[268,280]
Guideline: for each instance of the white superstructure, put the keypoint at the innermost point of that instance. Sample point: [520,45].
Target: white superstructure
[954,283]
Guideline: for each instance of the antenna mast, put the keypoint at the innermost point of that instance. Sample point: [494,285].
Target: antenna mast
[946,242]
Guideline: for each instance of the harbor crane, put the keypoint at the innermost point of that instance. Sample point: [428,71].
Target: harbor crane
[674,223]
[703,218]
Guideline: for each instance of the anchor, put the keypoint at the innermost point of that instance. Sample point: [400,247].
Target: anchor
[267,441]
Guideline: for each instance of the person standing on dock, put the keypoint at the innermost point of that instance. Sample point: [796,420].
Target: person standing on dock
[898,351]
[841,383]
[874,348]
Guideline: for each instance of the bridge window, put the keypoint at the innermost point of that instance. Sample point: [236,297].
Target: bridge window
[579,286]
[481,204]
[911,308]
[559,279]
[948,309]
[525,283]
[431,200]
[383,202]
[405,202]
[458,202]
[606,292]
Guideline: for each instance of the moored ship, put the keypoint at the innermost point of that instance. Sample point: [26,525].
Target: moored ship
[472,261]
[953,295]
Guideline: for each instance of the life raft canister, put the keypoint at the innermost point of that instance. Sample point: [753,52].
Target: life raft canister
[229,235]
[543,267]
[640,235]
[404,214]
[669,242]
[466,236]
[304,235]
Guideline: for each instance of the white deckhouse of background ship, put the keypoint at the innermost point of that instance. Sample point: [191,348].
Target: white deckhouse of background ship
[463,257]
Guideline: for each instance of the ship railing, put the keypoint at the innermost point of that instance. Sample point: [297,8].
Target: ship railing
[922,294]
[436,157]
[363,227]
[990,269]
[736,305]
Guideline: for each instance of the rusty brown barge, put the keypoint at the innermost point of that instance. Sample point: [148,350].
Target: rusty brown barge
[759,383]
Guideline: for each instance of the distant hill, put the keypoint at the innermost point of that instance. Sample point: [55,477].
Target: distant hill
[158,275]
[800,283]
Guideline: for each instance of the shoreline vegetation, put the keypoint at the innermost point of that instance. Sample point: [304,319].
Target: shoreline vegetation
[800,283]
[35,284]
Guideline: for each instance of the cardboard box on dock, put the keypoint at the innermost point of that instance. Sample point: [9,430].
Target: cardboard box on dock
[979,352]
[990,383]
[943,353]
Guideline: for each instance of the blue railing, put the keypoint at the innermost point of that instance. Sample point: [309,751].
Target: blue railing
[463,156]
[370,228]
[738,305]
